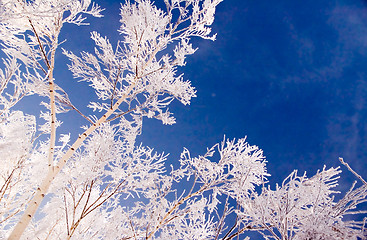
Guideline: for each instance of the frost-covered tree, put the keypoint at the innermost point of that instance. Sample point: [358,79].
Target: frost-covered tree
[103,185]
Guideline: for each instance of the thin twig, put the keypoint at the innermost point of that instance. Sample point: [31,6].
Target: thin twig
[40,44]
[352,171]
[66,215]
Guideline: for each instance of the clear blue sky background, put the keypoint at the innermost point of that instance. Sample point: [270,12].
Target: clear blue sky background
[290,75]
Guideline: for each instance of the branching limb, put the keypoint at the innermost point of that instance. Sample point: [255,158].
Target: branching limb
[221,221]
[179,203]
[43,189]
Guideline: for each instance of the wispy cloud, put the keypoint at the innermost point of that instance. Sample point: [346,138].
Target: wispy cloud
[346,127]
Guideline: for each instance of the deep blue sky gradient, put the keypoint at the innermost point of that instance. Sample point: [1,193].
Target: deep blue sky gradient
[290,75]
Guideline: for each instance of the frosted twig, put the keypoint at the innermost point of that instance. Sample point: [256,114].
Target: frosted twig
[352,171]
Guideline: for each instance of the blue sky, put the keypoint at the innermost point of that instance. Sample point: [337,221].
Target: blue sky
[289,75]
